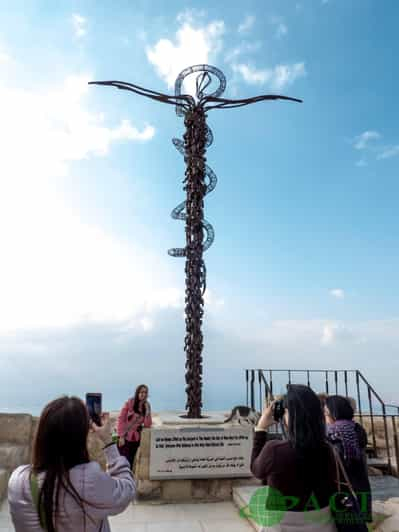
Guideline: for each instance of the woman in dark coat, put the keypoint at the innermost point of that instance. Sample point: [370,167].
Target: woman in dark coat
[350,439]
[299,470]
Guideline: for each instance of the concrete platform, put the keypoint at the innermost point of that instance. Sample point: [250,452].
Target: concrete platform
[208,517]
[382,489]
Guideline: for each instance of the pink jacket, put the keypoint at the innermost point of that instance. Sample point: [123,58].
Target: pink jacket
[111,492]
[130,423]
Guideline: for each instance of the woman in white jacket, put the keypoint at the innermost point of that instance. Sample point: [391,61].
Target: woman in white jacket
[62,490]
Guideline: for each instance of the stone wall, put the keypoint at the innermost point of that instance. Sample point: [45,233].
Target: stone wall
[16,437]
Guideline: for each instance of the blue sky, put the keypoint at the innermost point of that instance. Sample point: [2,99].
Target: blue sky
[303,271]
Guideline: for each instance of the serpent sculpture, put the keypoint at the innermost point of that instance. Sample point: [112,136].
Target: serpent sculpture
[199,181]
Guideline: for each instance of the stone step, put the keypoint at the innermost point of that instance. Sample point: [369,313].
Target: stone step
[13,455]
[241,498]
[384,489]
[4,475]
[379,463]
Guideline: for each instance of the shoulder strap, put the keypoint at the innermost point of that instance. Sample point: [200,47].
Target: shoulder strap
[337,468]
[34,489]
[341,468]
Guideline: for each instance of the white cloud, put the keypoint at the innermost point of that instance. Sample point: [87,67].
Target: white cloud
[28,356]
[338,293]
[53,127]
[4,57]
[278,77]
[252,75]
[281,30]
[192,45]
[284,75]
[333,333]
[327,337]
[210,299]
[58,268]
[247,24]
[362,141]
[241,49]
[79,25]
[367,142]
[190,16]
[388,152]
[281,27]
[146,323]
[127,132]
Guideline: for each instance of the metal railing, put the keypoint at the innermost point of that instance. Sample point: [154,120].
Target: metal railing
[265,384]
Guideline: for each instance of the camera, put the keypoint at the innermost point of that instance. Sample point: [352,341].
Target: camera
[278,410]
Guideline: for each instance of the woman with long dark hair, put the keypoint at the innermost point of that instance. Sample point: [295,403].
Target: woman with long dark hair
[134,416]
[350,440]
[62,490]
[299,470]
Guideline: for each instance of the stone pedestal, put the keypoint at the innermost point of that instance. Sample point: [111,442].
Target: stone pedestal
[192,459]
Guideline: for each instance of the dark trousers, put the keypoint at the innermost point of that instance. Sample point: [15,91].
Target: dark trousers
[129,450]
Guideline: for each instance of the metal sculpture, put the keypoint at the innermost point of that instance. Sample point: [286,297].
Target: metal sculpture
[197,138]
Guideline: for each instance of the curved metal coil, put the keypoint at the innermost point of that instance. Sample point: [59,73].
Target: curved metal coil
[202,82]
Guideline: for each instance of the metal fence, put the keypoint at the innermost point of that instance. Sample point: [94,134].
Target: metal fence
[266,384]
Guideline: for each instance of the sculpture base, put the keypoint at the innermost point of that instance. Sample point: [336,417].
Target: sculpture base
[185,459]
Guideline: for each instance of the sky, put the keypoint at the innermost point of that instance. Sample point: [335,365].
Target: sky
[303,270]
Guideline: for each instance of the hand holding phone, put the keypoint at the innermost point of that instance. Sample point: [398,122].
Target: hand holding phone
[104,431]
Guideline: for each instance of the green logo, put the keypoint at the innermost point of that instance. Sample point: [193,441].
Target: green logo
[267,506]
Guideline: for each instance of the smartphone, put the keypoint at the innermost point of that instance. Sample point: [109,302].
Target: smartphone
[94,407]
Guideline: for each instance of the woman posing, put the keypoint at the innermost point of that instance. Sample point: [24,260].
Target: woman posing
[350,440]
[62,489]
[135,414]
[300,469]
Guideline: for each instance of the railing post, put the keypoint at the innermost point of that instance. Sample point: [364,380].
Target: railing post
[396,444]
[359,404]
[246,379]
[327,383]
[271,383]
[260,375]
[336,381]
[289,376]
[346,382]
[372,419]
[253,389]
[387,439]
[308,377]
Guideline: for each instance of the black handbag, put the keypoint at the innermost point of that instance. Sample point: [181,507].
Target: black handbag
[346,509]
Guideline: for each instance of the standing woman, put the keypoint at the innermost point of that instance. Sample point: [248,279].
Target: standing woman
[62,490]
[299,470]
[135,414]
[350,440]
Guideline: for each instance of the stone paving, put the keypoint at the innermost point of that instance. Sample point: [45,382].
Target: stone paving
[142,517]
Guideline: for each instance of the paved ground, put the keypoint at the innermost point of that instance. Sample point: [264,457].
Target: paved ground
[384,487]
[209,517]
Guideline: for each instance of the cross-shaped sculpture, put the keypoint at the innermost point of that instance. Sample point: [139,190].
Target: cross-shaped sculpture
[197,138]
